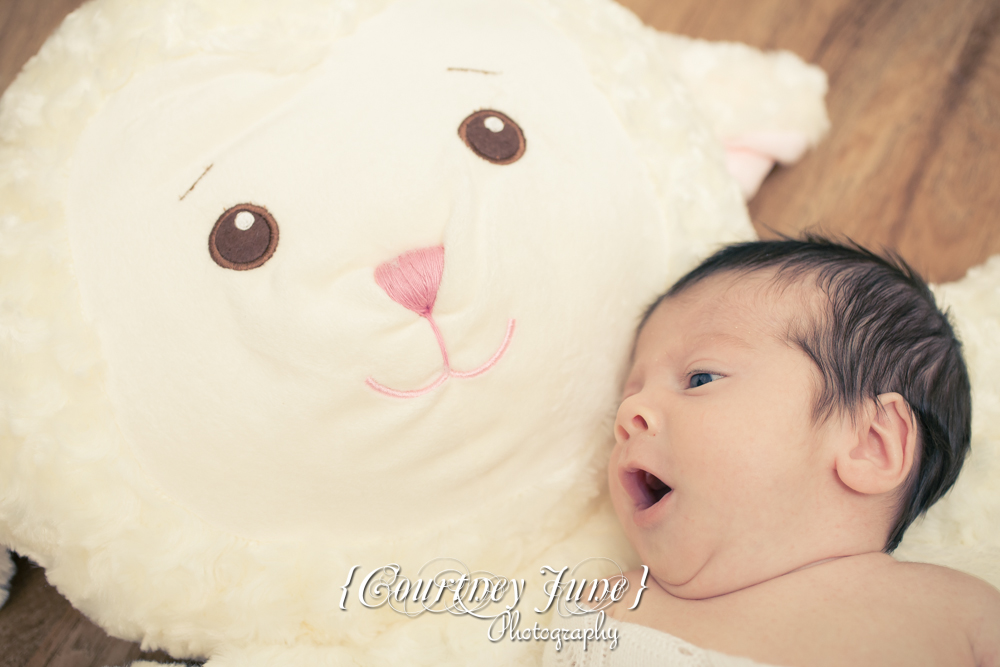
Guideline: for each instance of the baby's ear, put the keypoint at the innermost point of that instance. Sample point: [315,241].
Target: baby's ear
[880,458]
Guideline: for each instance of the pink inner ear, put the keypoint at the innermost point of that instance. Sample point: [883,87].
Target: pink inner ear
[749,157]
[749,168]
[413,278]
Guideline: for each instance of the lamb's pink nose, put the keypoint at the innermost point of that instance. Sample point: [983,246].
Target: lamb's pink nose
[413,278]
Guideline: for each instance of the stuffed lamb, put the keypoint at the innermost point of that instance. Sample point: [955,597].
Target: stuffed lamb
[292,292]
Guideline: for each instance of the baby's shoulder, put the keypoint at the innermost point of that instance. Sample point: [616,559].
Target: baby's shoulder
[968,599]
[952,587]
[898,612]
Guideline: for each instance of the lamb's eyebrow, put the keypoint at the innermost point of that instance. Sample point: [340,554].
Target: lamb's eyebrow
[470,69]
[197,180]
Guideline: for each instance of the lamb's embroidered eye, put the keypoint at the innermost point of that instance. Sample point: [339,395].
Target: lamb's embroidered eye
[493,136]
[244,237]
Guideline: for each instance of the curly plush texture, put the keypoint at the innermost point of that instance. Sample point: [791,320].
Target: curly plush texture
[960,530]
[75,495]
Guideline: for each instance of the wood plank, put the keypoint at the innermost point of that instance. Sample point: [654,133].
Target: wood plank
[31,612]
[913,102]
[24,25]
[956,193]
[39,628]
[74,641]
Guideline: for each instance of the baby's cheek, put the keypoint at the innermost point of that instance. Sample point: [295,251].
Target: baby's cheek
[615,486]
[613,482]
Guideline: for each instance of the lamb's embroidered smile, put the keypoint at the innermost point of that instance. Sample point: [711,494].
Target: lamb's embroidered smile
[412,281]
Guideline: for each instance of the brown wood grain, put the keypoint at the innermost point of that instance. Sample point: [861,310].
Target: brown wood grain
[39,628]
[24,25]
[909,165]
[913,101]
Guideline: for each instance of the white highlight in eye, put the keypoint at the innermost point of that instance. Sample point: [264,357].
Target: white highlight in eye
[244,220]
[493,124]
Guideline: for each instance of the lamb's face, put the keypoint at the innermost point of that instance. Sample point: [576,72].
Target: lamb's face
[265,383]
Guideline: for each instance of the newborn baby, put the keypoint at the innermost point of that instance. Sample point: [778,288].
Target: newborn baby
[792,407]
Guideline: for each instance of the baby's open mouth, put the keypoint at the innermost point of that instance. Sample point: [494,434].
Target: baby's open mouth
[645,488]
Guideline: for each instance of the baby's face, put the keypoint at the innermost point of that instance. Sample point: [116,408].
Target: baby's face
[718,466]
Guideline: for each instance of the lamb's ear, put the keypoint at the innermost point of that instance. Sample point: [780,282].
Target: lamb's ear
[764,107]
[7,569]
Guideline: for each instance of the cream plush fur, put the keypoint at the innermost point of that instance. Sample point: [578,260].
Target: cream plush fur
[193,453]
[960,530]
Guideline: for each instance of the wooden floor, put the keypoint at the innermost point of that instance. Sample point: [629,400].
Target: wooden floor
[909,165]
[914,104]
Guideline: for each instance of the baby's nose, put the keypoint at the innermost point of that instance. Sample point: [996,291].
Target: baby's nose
[632,420]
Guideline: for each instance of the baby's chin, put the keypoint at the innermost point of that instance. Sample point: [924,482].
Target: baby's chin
[692,576]
[698,587]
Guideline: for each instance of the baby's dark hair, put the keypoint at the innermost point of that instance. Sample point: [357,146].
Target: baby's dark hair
[882,332]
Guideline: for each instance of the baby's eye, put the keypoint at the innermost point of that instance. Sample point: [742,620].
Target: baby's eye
[698,379]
